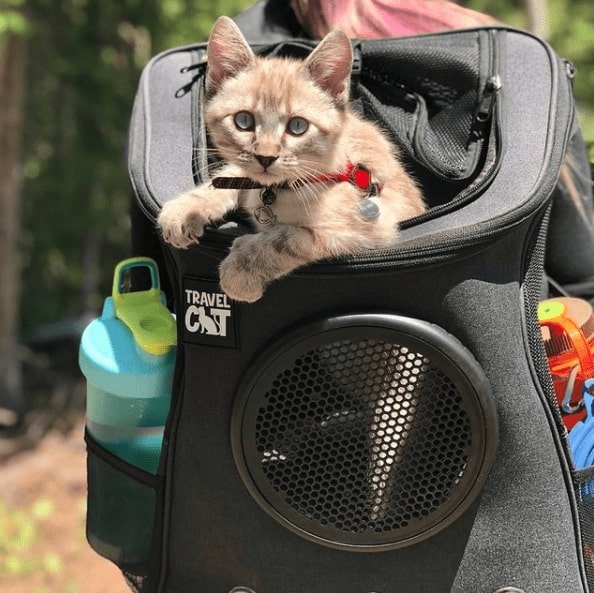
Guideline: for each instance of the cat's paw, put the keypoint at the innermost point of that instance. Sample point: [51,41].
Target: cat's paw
[240,282]
[180,223]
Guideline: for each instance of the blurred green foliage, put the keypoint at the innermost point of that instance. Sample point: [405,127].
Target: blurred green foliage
[84,62]
[12,19]
[21,529]
[570,25]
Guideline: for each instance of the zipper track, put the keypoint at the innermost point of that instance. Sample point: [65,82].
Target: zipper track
[437,247]
[443,243]
[486,125]
[442,247]
[379,258]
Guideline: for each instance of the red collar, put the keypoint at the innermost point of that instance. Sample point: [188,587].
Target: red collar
[358,175]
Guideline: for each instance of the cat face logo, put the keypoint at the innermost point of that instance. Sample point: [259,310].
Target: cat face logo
[209,315]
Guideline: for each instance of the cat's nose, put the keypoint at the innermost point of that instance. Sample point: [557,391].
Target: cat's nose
[265,161]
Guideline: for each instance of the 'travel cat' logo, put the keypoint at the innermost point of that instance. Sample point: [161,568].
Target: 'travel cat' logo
[208,314]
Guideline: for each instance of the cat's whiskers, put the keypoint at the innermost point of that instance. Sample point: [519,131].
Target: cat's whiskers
[206,154]
[244,157]
[306,196]
[311,170]
[310,175]
[198,150]
[305,191]
[310,192]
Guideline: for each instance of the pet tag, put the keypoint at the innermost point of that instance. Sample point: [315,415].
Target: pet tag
[368,209]
[264,213]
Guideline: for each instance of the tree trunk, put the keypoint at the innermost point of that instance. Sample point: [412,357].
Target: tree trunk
[538,21]
[12,66]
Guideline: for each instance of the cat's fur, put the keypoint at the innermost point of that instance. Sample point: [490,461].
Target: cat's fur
[316,220]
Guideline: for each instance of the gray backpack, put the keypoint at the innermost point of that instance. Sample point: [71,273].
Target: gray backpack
[385,422]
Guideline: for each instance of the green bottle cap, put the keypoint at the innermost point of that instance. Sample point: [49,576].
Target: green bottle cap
[143,311]
[550,309]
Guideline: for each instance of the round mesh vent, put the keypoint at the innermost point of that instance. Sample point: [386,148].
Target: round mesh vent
[366,432]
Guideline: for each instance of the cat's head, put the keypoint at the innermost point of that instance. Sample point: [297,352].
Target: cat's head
[276,119]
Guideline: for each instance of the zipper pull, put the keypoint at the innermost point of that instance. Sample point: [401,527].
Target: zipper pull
[487,101]
[191,67]
[184,90]
[570,69]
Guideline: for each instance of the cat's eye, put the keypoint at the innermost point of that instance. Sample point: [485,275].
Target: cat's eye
[244,121]
[297,126]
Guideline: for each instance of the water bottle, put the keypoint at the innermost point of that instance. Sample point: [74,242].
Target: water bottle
[567,327]
[127,356]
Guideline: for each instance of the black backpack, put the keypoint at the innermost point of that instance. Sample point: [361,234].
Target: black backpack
[384,422]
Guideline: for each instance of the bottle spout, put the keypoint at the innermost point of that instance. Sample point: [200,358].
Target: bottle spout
[143,312]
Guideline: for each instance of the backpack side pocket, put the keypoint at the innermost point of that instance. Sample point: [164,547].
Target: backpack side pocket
[122,501]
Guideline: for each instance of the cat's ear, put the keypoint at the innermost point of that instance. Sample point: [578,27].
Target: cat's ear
[228,53]
[329,65]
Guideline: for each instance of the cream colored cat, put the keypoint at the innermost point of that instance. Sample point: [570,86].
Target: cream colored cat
[317,180]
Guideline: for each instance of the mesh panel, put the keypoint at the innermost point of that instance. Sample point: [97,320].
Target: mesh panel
[441,134]
[585,493]
[120,513]
[362,442]
[447,136]
[135,582]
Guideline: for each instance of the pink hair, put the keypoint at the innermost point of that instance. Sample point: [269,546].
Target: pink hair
[368,19]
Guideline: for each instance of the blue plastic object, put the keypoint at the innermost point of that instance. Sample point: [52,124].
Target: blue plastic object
[128,388]
[581,436]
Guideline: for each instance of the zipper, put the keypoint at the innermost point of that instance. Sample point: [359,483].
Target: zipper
[199,137]
[197,67]
[486,117]
[492,85]
[444,245]
[482,117]
[187,87]
[438,248]
[487,101]
[434,249]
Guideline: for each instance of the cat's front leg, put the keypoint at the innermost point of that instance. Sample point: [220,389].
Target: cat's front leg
[182,220]
[256,260]
[243,275]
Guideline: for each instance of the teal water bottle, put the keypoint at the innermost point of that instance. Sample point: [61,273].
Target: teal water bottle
[128,356]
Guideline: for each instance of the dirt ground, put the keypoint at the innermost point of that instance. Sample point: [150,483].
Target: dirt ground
[42,520]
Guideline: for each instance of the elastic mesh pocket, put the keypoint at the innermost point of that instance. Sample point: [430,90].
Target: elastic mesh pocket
[585,494]
[120,512]
[426,97]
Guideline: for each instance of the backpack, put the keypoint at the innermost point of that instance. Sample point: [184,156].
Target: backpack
[381,422]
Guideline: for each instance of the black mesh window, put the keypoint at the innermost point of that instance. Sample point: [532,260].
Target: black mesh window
[363,442]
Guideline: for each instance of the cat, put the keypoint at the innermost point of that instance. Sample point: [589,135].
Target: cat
[318,180]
